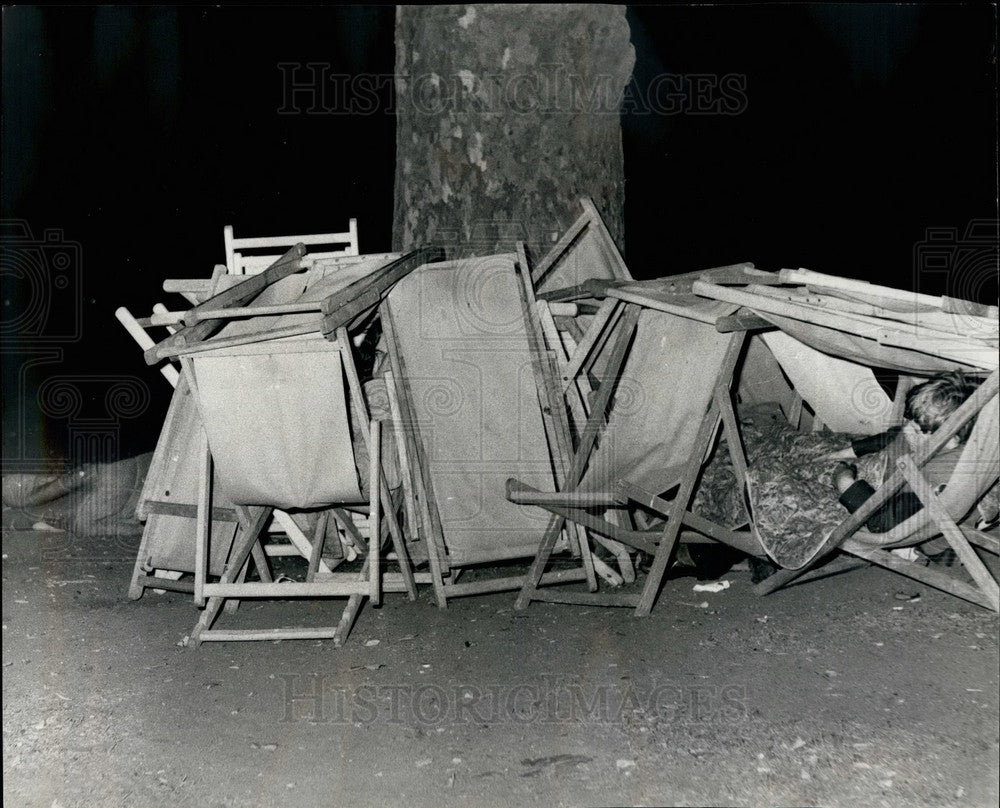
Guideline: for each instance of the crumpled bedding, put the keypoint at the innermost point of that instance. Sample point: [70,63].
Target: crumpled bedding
[793,497]
[95,499]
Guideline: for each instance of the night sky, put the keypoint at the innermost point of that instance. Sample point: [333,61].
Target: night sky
[137,133]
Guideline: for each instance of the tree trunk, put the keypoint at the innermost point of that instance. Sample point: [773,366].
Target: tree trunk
[506,116]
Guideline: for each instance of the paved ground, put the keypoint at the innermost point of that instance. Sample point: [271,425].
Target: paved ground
[841,692]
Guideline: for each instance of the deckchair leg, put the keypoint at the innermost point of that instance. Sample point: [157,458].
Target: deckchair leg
[203,520]
[261,562]
[374,523]
[972,563]
[135,588]
[629,321]
[263,570]
[911,569]
[396,536]
[233,604]
[620,553]
[709,424]
[534,574]
[350,613]
[317,546]
[430,534]
[779,579]
[251,524]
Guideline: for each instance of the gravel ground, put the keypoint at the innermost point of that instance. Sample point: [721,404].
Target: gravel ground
[863,689]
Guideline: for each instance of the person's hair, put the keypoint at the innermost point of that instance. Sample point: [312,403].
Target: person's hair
[929,404]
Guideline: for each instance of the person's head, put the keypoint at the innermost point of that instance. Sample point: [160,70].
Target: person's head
[929,404]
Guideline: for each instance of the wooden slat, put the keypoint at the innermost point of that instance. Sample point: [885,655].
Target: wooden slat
[625,600]
[432,532]
[972,563]
[628,324]
[245,311]
[510,583]
[742,320]
[526,495]
[236,341]
[260,242]
[912,569]
[593,288]
[560,248]
[267,634]
[345,304]
[190,511]
[322,586]
[241,293]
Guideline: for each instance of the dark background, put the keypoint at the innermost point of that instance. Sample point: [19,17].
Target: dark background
[139,132]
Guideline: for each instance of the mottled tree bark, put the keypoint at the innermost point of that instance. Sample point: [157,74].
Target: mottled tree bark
[506,116]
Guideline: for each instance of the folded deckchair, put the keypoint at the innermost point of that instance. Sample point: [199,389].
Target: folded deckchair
[289,445]
[169,497]
[168,501]
[660,400]
[270,392]
[468,412]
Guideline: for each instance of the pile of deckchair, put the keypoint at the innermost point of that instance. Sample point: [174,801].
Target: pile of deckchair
[554,410]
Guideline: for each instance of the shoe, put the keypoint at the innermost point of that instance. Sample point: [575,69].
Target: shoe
[946,558]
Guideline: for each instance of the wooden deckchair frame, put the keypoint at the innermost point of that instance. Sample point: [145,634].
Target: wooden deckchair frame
[851,537]
[588,221]
[443,575]
[143,576]
[341,308]
[570,505]
[354,586]
[239,264]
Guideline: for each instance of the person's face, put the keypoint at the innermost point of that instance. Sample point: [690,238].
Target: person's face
[916,437]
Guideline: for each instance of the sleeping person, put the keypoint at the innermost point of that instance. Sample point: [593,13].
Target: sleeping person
[795,492]
[928,405]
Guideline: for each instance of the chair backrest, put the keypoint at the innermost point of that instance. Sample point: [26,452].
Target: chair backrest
[248,256]
[459,333]
[287,443]
[666,386]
